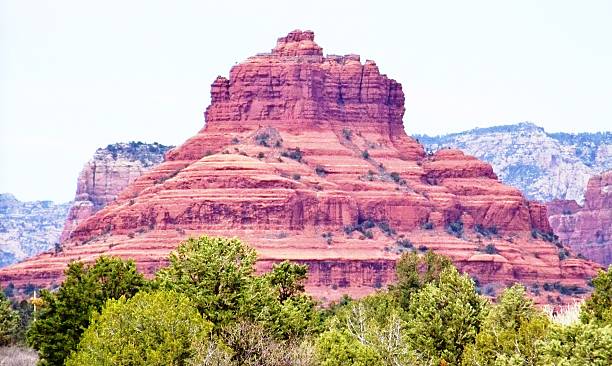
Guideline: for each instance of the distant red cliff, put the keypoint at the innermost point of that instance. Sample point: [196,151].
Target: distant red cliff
[587,229]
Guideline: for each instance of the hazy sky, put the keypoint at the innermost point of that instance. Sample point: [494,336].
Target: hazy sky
[77,75]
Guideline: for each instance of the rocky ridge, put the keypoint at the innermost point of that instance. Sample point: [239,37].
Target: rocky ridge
[304,156]
[110,170]
[28,228]
[545,166]
[587,229]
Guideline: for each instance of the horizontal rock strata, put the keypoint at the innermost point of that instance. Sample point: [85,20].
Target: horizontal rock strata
[304,157]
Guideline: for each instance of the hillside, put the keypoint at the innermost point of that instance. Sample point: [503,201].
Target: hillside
[28,228]
[544,166]
[587,229]
[107,173]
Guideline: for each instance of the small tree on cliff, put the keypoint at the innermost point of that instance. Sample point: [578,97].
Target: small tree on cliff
[414,271]
[65,314]
[288,278]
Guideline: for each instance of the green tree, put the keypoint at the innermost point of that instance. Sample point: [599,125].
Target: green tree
[288,278]
[215,273]
[509,332]
[598,307]
[9,321]
[578,345]
[296,317]
[376,309]
[65,314]
[156,328]
[414,271]
[338,348]
[25,309]
[375,323]
[444,318]
[294,313]
[218,274]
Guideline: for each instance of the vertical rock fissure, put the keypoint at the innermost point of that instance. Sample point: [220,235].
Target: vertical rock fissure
[93,179]
[361,82]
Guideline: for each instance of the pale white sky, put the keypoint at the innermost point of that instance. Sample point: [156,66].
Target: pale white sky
[77,75]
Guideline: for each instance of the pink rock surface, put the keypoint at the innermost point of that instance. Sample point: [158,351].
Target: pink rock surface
[107,174]
[587,229]
[240,176]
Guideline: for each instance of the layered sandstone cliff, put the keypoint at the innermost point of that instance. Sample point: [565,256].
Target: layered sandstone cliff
[110,170]
[587,229]
[304,156]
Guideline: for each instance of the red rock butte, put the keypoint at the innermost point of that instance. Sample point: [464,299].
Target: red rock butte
[305,157]
[587,229]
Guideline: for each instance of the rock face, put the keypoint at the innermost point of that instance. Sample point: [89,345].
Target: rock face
[304,156]
[587,229]
[553,167]
[544,166]
[109,171]
[28,228]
